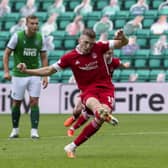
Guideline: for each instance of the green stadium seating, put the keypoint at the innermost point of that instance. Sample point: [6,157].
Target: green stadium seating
[125,74]
[154,63]
[18,5]
[153,74]
[156,3]
[56,54]
[142,42]
[166,75]
[73,4]
[148,22]
[45,5]
[42,16]
[96,15]
[56,78]
[90,23]
[100,5]
[128,4]
[143,33]
[69,43]
[119,23]
[151,13]
[143,53]
[65,75]
[143,75]
[63,24]
[140,63]
[165,63]
[9,24]
[116,75]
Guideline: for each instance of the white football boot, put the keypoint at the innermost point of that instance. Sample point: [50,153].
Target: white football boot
[14,133]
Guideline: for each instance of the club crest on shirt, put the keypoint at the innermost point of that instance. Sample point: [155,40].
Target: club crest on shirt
[77,62]
[94,55]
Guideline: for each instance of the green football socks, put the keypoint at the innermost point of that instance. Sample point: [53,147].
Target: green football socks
[15,116]
[34,116]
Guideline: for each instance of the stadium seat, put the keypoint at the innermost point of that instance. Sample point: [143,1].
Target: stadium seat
[2,44]
[154,63]
[18,5]
[128,4]
[153,74]
[148,22]
[155,4]
[151,13]
[96,15]
[116,75]
[143,53]
[56,54]
[42,16]
[56,78]
[59,34]
[8,25]
[100,5]
[142,42]
[58,43]
[119,23]
[91,23]
[166,75]
[165,63]
[73,4]
[65,75]
[66,16]
[69,43]
[63,24]
[45,5]
[116,53]
[143,75]
[125,74]
[143,33]
[140,63]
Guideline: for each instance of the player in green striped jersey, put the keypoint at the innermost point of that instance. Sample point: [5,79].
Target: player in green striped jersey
[28,46]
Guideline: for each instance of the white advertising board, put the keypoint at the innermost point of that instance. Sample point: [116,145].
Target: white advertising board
[130,98]
[49,99]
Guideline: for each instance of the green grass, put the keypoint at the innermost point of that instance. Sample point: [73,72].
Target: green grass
[140,141]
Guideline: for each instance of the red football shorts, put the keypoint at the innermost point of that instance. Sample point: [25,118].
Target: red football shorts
[104,95]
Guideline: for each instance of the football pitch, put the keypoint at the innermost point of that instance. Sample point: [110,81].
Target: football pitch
[139,141]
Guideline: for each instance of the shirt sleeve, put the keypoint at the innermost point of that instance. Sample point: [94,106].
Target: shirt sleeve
[13,41]
[44,45]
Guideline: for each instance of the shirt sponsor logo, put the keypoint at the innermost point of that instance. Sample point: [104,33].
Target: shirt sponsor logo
[90,66]
[30,52]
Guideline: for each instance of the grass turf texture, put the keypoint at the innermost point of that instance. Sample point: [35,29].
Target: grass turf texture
[140,141]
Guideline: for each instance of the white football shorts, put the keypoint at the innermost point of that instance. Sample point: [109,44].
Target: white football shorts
[20,84]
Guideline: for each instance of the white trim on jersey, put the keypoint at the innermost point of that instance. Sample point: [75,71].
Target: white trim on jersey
[13,41]
[111,44]
[56,66]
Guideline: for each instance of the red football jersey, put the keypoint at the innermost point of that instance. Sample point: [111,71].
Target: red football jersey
[114,65]
[90,70]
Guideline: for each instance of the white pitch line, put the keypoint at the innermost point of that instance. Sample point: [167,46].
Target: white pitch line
[140,133]
[113,134]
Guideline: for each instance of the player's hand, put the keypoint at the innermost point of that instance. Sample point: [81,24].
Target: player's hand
[127,64]
[119,34]
[45,82]
[7,76]
[22,67]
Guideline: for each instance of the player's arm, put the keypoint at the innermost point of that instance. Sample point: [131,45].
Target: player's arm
[119,40]
[6,56]
[44,62]
[125,65]
[44,71]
